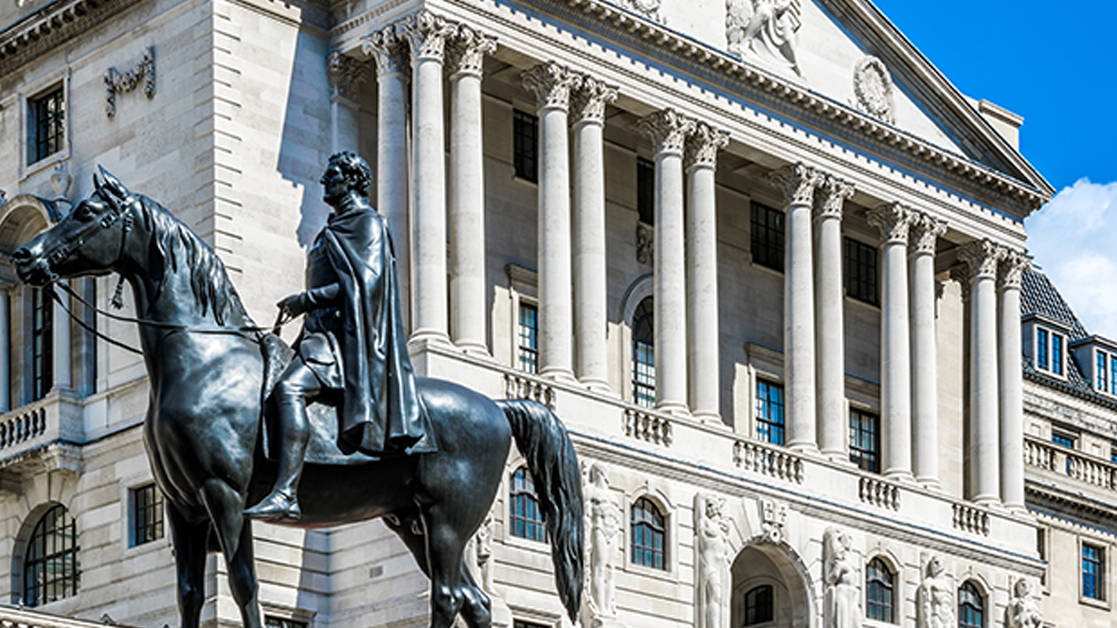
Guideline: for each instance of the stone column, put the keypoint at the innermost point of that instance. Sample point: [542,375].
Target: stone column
[426,34]
[467,191]
[551,83]
[391,151]
[668,130]
[893,220]
[829,328]
[1012,381]
[345,75]
[982,257]
[61,348]
[924,359]
[798,182]
[5,348]
[590,262]
[702,270]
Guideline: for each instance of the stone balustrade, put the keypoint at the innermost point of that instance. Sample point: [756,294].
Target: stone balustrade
[650,427]
[1078,466]
[522,386]
[878,492]
[55,417]
[22,426]
[768,460]
[971,519]
[12,617]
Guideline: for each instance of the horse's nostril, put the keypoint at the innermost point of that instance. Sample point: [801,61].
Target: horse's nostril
[21,255]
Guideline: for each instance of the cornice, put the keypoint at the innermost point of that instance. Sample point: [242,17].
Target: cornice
[627,24]
[51,26]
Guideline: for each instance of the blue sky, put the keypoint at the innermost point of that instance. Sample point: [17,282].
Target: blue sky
[1055,64]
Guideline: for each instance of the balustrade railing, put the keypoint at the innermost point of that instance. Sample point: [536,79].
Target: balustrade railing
[57,416]
[1084,468]
[880,493]
[971,519]
[649,427]
[527,387]
[768,460]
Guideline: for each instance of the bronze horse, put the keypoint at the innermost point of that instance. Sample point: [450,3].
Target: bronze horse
[205,364]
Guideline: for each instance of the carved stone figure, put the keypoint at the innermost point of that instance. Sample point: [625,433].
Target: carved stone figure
[712,528]
[935,597]
[765,30]
[479,554]
[208,380]
[843,601]
[606,519]
[1023,612]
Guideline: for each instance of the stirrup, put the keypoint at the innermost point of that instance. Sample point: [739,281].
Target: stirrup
[278,506]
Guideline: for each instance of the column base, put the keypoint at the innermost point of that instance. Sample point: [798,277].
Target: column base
[931,484]
[805,448]
[474,348]
[422,338]
[1017,509]
[707,416]
[558,374]
[839,457]
[674,408]
[599,386]
[988,501]
[903,476]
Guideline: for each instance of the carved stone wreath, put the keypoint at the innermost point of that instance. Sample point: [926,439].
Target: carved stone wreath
[872,86]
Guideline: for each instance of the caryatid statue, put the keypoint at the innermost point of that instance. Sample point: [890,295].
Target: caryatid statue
[711,527]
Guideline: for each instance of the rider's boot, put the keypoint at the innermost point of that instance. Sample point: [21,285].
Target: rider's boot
[282,504]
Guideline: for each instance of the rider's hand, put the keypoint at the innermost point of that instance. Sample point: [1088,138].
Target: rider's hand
[291,306]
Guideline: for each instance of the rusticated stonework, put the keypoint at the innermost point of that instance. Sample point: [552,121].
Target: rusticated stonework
[797,181]
[551,83]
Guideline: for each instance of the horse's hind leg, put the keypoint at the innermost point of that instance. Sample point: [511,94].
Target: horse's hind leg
[189,541]
[476,608]
[234,531]
[444,556]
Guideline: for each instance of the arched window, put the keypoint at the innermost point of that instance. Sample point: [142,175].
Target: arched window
[971,607]
[649,535]
[526,518]
[643,354]
[879,586]
[51,569]
[759,605]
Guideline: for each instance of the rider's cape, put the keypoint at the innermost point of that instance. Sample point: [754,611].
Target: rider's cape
[381,412]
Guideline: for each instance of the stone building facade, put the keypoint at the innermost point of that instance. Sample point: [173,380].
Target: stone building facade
[761,257]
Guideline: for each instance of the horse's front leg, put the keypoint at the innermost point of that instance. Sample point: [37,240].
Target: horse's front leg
[234,532]
[189,541]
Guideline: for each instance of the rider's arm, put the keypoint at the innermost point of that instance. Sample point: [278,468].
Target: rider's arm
[321,297]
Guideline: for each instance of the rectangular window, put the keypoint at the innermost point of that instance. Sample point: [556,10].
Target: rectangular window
[1041,551]
[147,515]
[1056,354]
[1093,571]
[864,440]
[1113,374]
[42,342]
[1041,350]
[281,622]
[46,117]
[1102,375]
[769,412]
[519,623]
[527,333]
[525,145]
[767,236]
[645,190]
[1064,439]
[861,271]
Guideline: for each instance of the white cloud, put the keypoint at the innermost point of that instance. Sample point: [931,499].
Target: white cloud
[1074,241]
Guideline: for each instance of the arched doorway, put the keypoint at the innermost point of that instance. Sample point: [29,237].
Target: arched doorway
[770,588]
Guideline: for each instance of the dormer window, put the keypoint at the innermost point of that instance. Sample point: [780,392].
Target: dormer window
[1105,371]
[1050,351]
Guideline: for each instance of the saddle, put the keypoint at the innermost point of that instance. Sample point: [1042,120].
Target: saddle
[325,446]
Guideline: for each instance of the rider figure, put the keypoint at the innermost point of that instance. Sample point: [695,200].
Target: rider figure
[352,342]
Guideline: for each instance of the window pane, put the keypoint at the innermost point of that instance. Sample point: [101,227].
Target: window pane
[759,605]
[1056,354]
[1041,350]
[527,356]
[1093,570]
[645,190]
[879,589]
[525,516]
[767,236]
[864,440]
[643,354]
[52,570]
[648,535]
[1101,374]
[46,126]
[861,271]
[525,145]
[769,412]
[147,515]
[971,607]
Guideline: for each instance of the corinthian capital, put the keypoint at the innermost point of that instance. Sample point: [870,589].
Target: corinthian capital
[588,101]
[894,221]
[1013,265]
[551,83]
[386,48]
[798,182]
[345,75]
[981,258]
[426,34]
[467,50]
[926,230]
[667,129]
[703,144]
[831,197]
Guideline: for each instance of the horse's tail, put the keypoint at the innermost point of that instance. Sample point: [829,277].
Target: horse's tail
[543,441]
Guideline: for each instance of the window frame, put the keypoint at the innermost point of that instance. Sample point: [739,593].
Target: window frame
[642,549]
[981,598]
[645,191]
[46,84]
[643,373]
[70,551]
[140,509]
[520,493]
[760,419]
[1101,575]
[1050,353]
[40,345]
[860,278]
[875,453]
[887,584]
[521,350]
[767,236]
[525,163]
[771,608]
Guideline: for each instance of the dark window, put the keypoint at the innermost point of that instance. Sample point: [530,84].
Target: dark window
[527,519]
[1093,570]
[527,352]
[52,570]
[645,190]
[1041,350]
[1113,374]
[864,440]
[517,623]
[1041,551]
[271,621]
[861,271]
[759,605]
[648,535]
[643,354]
[769,412]
[971,607]
[147,515]
[525,145]
[767,237]
[1102,374]
[47,117]
[1066,440]
[1056,354]
[879,587]
[42,343]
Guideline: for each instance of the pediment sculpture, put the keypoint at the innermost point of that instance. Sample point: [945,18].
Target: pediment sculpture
[765,31]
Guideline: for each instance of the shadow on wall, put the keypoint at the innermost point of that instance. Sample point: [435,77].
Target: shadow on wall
[305,146]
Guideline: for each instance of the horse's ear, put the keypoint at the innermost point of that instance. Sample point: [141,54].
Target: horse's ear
[104,179]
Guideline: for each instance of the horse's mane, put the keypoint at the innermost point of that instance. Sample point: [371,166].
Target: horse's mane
[178,244]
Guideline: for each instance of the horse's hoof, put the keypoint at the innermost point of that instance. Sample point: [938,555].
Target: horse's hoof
[275,507]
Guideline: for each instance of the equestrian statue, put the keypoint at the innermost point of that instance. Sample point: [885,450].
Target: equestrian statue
[241,427]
